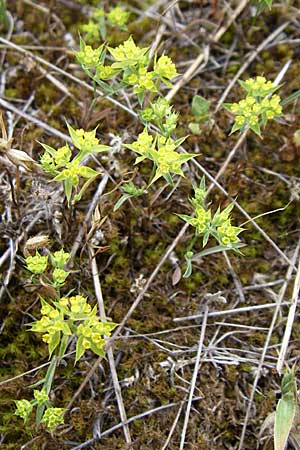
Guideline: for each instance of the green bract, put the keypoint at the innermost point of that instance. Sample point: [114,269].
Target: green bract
[129,190]
[258,107]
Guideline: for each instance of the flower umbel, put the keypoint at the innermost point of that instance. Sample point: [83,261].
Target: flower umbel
[217,225]
[259,105]
[36,264]
[53,417]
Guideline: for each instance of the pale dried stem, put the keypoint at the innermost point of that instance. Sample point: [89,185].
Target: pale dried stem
[214,39]
[110,355]
[194,379]
[38,122]
[289,323]
[83,228]
[65,74]
[172,429]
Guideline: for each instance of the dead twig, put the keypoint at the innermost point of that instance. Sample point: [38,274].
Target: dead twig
[194,379]
[110,355]
[214,39]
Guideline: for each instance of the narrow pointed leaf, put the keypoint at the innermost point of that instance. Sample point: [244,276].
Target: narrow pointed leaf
[284,417]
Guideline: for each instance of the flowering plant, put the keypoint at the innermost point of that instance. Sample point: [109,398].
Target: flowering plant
[259,105]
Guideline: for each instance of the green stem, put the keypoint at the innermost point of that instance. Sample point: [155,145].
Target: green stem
[47,386]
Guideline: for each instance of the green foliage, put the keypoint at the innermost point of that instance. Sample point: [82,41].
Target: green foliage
[72,318]
[162,152]
[129,190]
[257,107]
[261,5]
[200,109]
[60,164]
[285,410]
[3,14]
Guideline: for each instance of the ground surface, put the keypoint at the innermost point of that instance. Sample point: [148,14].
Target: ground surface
[154,355]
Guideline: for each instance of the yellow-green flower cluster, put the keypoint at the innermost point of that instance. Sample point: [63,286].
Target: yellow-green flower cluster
[59,276]
[86,140]
[40,396]
[142,80]
[60,258]
[105,72]
[72,316]
[36,264]
[90,336]
[52,161]
[118,17]
[162,151]
[167,159]
[217,225]
[128,53]
[53,417]
[227,234]
[202,220]
[24,408]
[162,115]
[96,26]
[258,87]
[142,145]
[258,107]
[165,68]
[90,30]
[89,57]
[130,61]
